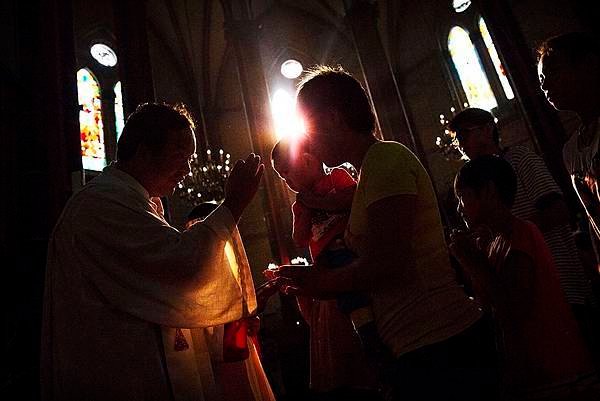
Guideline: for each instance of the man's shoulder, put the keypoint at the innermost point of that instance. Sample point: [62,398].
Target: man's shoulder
[99,187]
[99,193]
[79,207]
[517,153]
[521,159]
[520,150]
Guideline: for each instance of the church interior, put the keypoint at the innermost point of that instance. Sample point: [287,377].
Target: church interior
[72,71]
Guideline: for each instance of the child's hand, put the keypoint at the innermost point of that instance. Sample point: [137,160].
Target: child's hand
[483,236]
[462,246]
[469,250]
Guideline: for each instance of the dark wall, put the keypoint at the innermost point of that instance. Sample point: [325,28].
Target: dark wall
[39,136]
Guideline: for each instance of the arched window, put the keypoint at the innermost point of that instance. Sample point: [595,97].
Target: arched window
[90,121]
[470,72]
[476,66]
[489,44]
[119,117]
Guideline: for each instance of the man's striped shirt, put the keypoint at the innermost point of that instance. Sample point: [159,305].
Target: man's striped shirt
[534,181]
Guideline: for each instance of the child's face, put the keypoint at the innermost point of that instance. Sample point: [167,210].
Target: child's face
[470,206]
[300,175]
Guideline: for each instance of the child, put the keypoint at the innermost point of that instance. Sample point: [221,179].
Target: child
[514,276]
[320,215]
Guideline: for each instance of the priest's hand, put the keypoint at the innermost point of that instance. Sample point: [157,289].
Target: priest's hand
[242,184]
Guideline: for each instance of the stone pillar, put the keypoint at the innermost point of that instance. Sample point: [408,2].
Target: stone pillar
[133,52]
[108,120]
[243,32]
[58,103]
[361,16]
[542,120]
[39,152]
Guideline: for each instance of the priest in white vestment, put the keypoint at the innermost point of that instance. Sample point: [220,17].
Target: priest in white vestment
[133,307]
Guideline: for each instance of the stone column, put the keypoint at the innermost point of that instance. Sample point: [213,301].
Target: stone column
[542,120]
[243,32]
[135,69]
[108,120]
[361,16]
[39,154]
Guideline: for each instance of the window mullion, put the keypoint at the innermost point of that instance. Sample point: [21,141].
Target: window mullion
[488,66]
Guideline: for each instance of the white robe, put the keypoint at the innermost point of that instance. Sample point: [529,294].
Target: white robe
[120,280]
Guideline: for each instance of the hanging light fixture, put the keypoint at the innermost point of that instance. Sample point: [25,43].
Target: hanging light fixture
[291,69]
[207,178]
[104,54]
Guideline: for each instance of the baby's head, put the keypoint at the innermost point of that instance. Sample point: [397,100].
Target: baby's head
[484,186]
[292,160]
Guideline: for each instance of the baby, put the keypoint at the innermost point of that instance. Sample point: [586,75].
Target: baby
[321,214]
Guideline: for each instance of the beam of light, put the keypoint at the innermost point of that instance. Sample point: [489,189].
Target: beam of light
[285,119]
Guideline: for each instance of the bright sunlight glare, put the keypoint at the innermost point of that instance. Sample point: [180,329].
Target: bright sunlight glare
[283,108]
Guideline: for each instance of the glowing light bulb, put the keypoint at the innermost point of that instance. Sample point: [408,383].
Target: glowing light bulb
[291,69]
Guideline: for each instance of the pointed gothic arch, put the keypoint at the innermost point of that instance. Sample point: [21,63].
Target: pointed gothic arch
[91,126]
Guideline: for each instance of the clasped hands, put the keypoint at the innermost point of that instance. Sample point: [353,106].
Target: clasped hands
[469,246]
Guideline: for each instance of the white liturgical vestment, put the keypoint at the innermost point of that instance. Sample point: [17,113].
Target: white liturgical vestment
[120,281]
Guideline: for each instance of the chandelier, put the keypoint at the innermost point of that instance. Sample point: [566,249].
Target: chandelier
[447,143]
[206,180]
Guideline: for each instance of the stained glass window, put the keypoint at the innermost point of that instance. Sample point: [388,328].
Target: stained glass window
[471,74]
[119,118]
[495,59]
[90,121]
